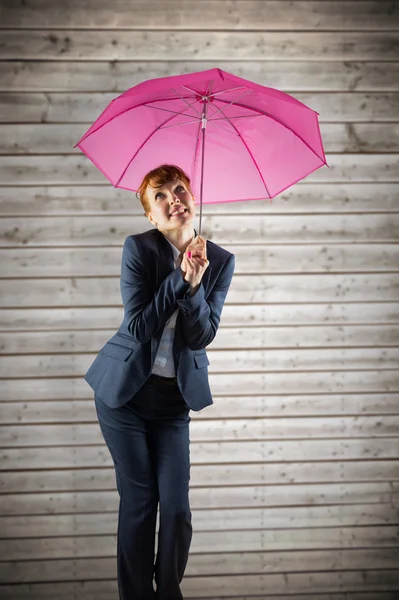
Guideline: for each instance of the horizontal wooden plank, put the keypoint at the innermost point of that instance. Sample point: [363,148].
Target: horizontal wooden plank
[24,482]
[227,229]
[309,528]
[378,338]
[303,198]
[278,428]
[149,45]
[78,411]
[294,582]
[292,76]
[254,14]
[206,564]
[67,363]
[255,339]
[56,139]
[19,529]
[72,107]
[246,289]
[78,170]
[62,457]
[347,315]
[221,498]
[228,384]
[209,523]
[224,586]
[256,258]
[73,44]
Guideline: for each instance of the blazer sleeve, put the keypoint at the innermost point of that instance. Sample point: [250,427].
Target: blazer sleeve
[146,313]
[200,317]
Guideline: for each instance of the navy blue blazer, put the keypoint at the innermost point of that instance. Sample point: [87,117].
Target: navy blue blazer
[152,289]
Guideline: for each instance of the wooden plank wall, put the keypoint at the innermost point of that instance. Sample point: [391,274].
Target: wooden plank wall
[295,478]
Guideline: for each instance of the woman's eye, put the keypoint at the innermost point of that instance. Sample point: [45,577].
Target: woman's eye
[161,193]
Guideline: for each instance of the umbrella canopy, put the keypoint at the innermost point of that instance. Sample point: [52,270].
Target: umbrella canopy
[235,139]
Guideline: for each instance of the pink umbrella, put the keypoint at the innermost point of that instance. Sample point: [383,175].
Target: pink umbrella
[236,140]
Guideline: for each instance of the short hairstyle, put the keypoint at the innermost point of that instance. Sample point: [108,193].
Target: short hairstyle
[157,178]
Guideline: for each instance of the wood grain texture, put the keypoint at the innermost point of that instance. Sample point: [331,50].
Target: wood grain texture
[291,76]
[47,138]
[210,453]
[305,198]
[16,262]
[271,536]
[77,170]
[210,45]
[246,341]
[224,586]
[237,362]
[83,108]
[210,14]
[204,564]
[246,289]
[310,314]
[221,500]
[72,479]
[227,229]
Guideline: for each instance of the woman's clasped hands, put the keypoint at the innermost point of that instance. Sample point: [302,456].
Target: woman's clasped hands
[195,262]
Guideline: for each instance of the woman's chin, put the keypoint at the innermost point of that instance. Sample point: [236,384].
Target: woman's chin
[182,222]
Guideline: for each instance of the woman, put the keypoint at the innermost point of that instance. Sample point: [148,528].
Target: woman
[149,375]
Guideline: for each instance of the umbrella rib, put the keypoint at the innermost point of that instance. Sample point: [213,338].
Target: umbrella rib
[184,99]
[171,111]
[229,104]
[222,128]
[191,90]
[178,124]
[261,112]
[241,87]
[138,150]
[197,121]
[125,111]
[226,118]
[236,117]
[251,155]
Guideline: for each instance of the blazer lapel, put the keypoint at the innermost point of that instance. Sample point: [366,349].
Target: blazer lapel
[165,263]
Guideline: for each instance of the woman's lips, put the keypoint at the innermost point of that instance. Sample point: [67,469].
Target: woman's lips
[183,212]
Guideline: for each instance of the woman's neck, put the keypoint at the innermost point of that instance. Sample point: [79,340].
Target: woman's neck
[180,238]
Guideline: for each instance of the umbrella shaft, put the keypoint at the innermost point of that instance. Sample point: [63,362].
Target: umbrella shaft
[203,128]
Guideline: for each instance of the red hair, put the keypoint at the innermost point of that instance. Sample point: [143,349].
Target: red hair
[157,178]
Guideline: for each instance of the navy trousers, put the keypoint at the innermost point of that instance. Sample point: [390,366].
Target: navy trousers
[148,439]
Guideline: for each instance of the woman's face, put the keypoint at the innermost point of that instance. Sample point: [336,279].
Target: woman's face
[171,206]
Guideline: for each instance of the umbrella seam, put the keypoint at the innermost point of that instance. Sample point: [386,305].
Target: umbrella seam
[281,123]
[145,141]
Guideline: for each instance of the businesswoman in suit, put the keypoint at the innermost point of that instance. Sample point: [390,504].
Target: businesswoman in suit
[149,375]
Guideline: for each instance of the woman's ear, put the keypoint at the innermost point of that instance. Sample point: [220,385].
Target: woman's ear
[151,219]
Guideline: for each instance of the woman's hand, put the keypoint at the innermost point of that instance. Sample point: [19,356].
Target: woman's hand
[195,262]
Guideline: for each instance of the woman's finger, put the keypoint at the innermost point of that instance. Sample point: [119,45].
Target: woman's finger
[202,262]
